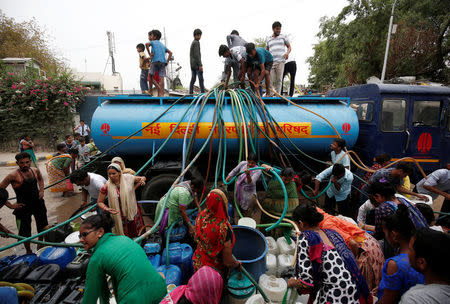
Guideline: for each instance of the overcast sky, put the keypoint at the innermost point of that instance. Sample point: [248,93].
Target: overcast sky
[78,29]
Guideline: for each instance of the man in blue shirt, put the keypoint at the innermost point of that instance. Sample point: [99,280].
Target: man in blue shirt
[258,65]
[159,62]
[339,191]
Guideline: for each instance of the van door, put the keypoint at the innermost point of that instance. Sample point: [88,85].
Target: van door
[425,129]
[393,126]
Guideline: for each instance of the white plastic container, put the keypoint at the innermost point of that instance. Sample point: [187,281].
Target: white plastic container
[273,287]
[284,247]
[256,299]
[247,221]
[273,246]
[284,263]
[271,264]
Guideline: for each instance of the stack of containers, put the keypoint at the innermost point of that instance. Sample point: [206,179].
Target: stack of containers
[280,256]
[153,249]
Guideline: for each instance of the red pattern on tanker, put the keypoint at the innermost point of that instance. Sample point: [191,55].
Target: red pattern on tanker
[346,127]
[105,128]
[424,142]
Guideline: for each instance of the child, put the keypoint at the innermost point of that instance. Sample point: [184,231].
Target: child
[83,153]
[259,61]
[76,139]
[196,62]
[144,64]
[159,61]
[338,155]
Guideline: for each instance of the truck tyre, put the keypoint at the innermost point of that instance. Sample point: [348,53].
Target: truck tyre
[155,189]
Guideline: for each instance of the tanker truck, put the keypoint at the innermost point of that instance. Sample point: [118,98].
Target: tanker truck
[292,131]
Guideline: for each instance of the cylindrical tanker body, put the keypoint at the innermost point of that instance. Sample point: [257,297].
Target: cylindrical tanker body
[118,117]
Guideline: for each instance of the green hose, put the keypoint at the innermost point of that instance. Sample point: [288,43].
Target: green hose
[318,195]
[40,242]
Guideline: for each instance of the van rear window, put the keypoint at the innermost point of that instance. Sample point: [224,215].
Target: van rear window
[393,115]
[364,110]
[426,113]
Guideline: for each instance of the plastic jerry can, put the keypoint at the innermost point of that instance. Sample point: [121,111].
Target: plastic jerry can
[273,246]
[14,273]
[240,289]
[57,255]
[172,274]
[256,299]
[28,259]
[284,247]
[273,287]
[78,267]
[284,263]
[5,261]
[180,255]
[44,274]
[153,244]
[177,233]
[271,264]
[155,259]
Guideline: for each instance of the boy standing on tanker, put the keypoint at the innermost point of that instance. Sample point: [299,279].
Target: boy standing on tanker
[259,63]
[234,58]
[196,62]
[276,45]
[144,64]
[159,61]
[28,185]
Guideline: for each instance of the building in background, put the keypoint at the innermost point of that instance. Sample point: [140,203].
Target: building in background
[23,64]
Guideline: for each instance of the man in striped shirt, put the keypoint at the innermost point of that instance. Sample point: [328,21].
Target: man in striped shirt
[276,45]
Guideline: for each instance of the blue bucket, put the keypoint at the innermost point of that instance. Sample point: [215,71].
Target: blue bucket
[250,249]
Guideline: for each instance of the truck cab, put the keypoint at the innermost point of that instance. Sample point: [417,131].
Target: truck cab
[403,121]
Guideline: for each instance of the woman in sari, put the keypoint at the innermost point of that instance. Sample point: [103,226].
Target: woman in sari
[365,248]
[26,145]
[204,287]
[121,163]
[246,186]
[325,268]
[122,201]
[58,167]
[214,235]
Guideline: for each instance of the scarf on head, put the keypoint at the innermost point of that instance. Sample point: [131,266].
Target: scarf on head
[316,248]
[204,287]
[125,202]
[211,231]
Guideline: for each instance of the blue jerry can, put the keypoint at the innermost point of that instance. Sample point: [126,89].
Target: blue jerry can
[172,274]
[181,255]
[155,259]
[177,233]
[57,255]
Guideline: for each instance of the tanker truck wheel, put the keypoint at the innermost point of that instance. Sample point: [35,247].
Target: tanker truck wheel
[155,189]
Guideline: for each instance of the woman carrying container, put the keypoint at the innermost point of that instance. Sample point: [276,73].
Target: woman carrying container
[58,167]
[26,145]
[325,268]
[179,199]
[214,235]
[246,187]
[204,287]
[133,277]
[122,201]
[121,163]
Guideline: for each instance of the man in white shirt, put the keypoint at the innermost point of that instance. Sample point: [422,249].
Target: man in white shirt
[276,45]
[90,183]
[234,58]
[83,129]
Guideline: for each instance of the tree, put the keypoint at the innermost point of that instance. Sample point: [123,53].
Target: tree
[26,40]
[352,44]
[260,42]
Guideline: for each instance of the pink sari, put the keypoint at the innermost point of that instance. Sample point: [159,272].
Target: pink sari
[204,287]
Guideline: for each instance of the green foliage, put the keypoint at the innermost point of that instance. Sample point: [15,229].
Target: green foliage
[260,42]
[37,105]
[352,44]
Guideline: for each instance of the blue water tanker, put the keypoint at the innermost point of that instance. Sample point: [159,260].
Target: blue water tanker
[119,116]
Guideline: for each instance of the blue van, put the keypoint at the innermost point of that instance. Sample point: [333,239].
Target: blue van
[401,120]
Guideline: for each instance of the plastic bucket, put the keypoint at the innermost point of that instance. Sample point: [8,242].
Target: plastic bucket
[250,249]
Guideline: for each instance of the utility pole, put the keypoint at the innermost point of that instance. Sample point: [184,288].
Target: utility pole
[112,50]
[383,73]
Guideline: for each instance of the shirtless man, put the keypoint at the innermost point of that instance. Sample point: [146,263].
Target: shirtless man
[28,185]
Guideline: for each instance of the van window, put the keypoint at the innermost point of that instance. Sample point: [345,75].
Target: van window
[364,110]
[426,113]
[393,115]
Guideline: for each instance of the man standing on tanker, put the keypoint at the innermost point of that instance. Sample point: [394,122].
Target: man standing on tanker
[28,185]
